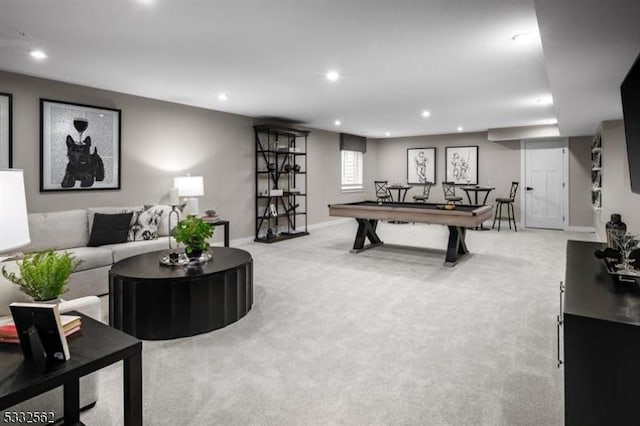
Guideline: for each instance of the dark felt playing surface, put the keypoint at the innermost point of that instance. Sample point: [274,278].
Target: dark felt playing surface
[420,206]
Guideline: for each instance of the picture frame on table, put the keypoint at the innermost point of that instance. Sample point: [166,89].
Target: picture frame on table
[421,165]
[6,131]
[461,164]
[79,147]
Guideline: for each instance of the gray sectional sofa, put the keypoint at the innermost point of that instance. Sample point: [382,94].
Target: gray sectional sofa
[69,231]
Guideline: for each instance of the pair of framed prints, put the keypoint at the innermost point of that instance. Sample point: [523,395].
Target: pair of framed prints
[460,165]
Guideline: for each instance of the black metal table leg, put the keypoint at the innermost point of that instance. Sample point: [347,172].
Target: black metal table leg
[456,246]
[133,390]
[366,230]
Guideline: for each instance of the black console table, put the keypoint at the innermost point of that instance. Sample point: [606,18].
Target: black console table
[96,347]
[601,321]
[155,302]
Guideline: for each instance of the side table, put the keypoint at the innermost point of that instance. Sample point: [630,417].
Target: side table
[95,348]
[219,222]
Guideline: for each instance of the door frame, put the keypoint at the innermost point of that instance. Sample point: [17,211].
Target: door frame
[565,179]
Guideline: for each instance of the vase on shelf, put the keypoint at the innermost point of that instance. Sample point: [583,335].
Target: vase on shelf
[615,229]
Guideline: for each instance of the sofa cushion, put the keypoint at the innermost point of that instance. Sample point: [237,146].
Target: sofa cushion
[109,229]
[144,225]
[109,210]
[57,230]
[163,210]
[125,250]
[91,257]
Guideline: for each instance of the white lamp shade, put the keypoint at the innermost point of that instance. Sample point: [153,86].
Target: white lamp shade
[14,222]
[189,186]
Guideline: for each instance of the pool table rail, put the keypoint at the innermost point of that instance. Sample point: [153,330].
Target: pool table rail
[388,211]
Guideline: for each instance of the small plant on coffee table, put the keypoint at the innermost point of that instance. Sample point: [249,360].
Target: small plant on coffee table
[43,276]
[194,233]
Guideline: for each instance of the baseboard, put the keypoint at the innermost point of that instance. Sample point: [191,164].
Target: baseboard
[315,226]
[580,229]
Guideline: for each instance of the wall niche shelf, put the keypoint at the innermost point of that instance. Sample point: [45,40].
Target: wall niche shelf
[596,171]
[281,183]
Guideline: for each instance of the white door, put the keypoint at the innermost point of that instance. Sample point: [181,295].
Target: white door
[544,184]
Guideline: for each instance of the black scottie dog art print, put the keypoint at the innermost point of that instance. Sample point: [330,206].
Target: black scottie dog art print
[83,165]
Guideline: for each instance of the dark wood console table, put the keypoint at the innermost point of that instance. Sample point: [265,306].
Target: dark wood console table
[601,321]
[152,301]
[96,347]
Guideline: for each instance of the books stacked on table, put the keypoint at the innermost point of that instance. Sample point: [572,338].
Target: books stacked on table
[71,324]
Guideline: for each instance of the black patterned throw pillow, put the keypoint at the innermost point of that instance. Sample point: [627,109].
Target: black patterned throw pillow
[144,225]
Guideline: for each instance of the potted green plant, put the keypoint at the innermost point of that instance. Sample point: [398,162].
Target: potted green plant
[43,276]
[194,233]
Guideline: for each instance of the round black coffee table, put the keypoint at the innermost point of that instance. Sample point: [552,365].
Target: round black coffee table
[155,302]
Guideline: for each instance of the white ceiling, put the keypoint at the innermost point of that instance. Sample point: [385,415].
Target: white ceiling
[396,58]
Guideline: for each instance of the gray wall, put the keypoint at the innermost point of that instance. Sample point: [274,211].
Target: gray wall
[499,162]
[580,211]
[616,186]
[324,176]
[161,140]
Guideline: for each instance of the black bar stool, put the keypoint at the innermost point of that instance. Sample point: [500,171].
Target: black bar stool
[511,215]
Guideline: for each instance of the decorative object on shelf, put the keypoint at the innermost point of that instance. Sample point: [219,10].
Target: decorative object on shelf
[6,151]
[461,165]
[190,187]
[194,233]
[615,228]
[92,161]
[43,276]
[421,165]
[274,211]
[270,235]
[14,226]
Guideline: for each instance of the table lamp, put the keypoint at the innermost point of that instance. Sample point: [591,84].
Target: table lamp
[190,187]
[14,222]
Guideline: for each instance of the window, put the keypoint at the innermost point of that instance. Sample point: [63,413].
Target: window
[352,165]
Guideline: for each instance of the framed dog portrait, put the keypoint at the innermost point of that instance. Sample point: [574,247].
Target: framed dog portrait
[461,164]
[5,131]
[421,165]
[79,147]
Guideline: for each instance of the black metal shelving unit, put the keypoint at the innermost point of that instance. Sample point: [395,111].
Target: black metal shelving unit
[281,165]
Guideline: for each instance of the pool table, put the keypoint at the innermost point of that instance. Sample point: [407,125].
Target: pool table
[368,213]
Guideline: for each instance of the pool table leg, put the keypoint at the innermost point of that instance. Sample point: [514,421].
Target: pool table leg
[457,246]
[366,229]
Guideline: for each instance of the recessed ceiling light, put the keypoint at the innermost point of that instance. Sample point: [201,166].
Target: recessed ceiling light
[332,75]
[426,113]
[387,134]
[337,122]
[146,1]
[460,128]
[37,54]
[520,37]
[223,96]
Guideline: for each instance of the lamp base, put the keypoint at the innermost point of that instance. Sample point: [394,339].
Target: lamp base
[192,207]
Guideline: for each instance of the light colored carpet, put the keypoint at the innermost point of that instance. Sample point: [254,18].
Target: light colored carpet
[387,336]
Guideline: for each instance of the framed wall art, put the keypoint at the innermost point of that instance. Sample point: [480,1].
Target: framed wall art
[461,165]
[6,149]
[421,165]
[79,147]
